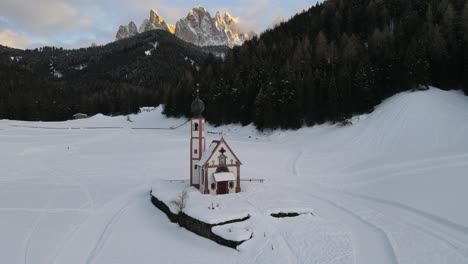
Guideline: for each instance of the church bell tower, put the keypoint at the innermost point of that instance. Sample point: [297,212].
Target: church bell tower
[197,140]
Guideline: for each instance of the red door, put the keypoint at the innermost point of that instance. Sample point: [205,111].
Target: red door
[222,188]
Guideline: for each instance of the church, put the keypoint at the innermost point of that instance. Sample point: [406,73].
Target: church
[215,170]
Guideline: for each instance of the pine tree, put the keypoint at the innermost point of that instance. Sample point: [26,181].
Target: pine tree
[417,64]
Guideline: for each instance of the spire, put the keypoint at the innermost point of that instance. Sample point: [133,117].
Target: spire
[197,106]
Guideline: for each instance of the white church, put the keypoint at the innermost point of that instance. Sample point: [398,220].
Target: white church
[215,170]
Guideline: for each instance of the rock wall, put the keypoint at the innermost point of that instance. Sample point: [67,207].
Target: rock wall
[196,226]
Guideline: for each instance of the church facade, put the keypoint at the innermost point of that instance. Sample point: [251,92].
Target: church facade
[215,170]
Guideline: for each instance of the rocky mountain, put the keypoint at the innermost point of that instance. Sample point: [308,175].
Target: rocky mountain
[201,29]
[126,31]
[198,28]
[156,22]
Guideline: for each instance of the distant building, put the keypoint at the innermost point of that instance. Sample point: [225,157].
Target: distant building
[217,169]
[80,116]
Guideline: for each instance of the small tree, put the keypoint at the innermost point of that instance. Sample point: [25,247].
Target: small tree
[181,200]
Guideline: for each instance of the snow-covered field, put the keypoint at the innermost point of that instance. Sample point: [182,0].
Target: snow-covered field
[392,188]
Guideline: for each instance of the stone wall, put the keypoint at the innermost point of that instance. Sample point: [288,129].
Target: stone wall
[196,226]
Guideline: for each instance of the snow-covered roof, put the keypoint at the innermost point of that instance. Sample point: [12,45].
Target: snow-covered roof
[207,154]
[224,176]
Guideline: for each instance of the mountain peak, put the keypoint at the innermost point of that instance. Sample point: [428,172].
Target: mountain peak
[200,9]
[199,13]
[201,29]
[198,28]
[227,15]
[126,31]
[155,22]
[155,18]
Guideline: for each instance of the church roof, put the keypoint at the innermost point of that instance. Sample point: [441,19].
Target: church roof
[224,176]
[208,153]
[211,149]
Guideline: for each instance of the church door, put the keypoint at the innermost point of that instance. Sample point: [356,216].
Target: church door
[222,188]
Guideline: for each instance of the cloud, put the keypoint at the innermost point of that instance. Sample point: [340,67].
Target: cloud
[48,16]
[12,39]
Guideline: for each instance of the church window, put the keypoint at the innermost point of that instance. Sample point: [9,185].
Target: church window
[196,167]
[232,161]
[213,186]
[222,160]
[195,127]
[231,184]
[195,151]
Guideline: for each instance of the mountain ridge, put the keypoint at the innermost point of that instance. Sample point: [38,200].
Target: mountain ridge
[197,27]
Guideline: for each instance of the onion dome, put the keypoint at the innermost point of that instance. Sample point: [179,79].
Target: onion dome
[197,107]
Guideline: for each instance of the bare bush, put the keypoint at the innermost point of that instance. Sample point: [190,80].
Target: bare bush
[181,200]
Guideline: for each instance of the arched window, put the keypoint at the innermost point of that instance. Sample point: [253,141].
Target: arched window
[195,127]
[222,160]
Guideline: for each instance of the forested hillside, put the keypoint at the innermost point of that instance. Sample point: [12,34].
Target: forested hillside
[53,83]
[337,59]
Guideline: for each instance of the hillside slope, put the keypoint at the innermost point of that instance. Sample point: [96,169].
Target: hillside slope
[391,188]
[53,84]
[335,60]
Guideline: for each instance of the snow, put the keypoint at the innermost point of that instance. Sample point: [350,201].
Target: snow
[81,67]
[206,208]
[192,62]
[58,74]
[150,51]
[224,176]
[234,232]
[16,58]
[391,188]
[207,154]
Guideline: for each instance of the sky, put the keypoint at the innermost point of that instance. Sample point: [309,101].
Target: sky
[79,23]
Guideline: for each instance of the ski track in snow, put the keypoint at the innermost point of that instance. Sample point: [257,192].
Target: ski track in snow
[368,234]
[108,228]
[375,235]
[34,229]
[452,242]
[385,241]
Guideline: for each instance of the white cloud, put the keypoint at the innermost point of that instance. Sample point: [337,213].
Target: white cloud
[46,16]
[12,39]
